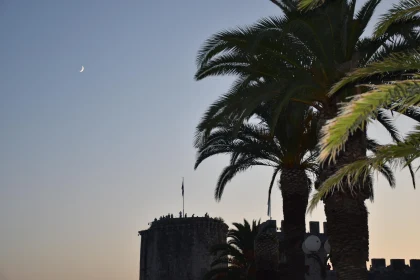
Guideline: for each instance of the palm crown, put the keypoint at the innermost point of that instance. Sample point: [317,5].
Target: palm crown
[292,144]
[295,58]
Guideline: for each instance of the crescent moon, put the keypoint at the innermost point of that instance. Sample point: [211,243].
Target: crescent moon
[81,70]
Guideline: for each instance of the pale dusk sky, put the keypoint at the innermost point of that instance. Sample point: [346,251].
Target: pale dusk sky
[88,159]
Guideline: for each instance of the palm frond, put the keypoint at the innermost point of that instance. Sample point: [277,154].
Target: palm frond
[411,112]
[365,13]
[273,178]
[357,112]
[399,39]
[385,169]
[310,4]
[287,6]
[225,64]
[387,122]
[372,145]
[400,154]
[357,170]
[239,103]
[384,118]
[394,63]
[407,61]
[387,172]
[235,40]
[399,12]
[309,35]
[251,140]
[230,171]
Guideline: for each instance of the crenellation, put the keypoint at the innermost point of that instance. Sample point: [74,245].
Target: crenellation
[397,268]
[178,249]
[186,221]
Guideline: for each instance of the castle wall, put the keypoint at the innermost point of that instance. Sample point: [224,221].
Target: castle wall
[178,248]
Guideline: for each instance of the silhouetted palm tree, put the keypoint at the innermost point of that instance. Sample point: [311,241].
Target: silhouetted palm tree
[401,96]
[298,58]
[236,257]
[290,149]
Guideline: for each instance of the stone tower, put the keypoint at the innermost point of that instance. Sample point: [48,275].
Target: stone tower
[178,248]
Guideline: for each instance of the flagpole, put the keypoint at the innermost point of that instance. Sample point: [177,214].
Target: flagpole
[183,213]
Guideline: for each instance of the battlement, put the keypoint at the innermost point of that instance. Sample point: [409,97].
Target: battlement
[395,264]
[187,222]
[314,228]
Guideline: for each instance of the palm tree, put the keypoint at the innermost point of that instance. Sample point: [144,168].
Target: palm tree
[297,58]
[236,257]
[290,151]
[402,96]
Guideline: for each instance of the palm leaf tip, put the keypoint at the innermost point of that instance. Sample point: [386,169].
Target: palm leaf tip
[333,137]
[316,198]
[309,4]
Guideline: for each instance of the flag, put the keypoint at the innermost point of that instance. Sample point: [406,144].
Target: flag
[269,206]
[182,188]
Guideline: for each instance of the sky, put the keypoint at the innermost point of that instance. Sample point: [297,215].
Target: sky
[89,159]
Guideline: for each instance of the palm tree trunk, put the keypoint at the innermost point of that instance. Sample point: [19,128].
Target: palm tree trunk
[294,186]
[347,216]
